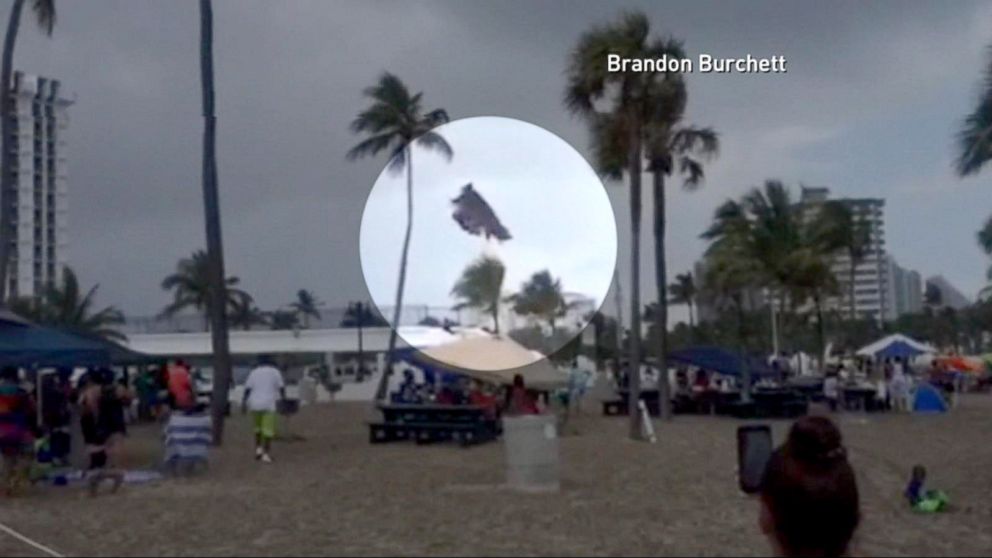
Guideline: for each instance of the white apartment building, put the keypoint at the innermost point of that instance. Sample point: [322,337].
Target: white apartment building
[39,200]
[905,291]
[871,275]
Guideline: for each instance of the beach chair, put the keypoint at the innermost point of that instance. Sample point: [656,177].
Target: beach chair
[187,438]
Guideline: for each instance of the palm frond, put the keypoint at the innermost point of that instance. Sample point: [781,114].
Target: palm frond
[435,142]
[44,11]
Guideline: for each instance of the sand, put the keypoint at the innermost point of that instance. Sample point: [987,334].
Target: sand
[336,494]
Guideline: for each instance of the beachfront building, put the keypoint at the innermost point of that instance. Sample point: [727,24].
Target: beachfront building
[37,204]
[942,293]
[871,275]
[905,291]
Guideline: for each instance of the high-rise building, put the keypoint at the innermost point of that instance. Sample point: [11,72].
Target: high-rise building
[871,274]
[38,200]
[905,291]
[942,293]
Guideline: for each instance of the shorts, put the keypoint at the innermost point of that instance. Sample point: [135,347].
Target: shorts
[98,460]
[265,423]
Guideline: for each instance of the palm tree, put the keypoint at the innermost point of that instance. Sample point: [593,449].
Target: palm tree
[44,11]
[394,122]
[190,286]
[618,135]
[975,136]
[839,229]
[975,145]
[211,210]
[362,315]
[65,306]
[481,287]
[284,319]
[814,279]
[541,296]
[766,227]
[244,314]
[729,275]
[307,306]
[671,148]
[684,292]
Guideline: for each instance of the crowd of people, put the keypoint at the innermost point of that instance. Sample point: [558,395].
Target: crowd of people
[516,399]
[38,410]
[892,379]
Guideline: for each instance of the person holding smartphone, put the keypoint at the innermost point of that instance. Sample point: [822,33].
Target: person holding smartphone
[809,495]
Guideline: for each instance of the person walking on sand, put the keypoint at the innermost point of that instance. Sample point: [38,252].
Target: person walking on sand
[16,436]
[99,419]
[263,389]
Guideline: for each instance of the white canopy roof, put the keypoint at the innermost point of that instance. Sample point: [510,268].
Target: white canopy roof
[873,348]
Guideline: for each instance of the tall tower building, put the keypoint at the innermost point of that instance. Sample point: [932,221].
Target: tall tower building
[38,202]
[871,275]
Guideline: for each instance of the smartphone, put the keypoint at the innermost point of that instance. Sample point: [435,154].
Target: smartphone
[754,449]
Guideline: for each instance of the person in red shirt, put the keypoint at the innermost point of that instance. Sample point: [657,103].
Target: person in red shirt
[478,398]
[181,386]
[520,401]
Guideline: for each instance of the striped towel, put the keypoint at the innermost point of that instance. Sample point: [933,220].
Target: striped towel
[187,437]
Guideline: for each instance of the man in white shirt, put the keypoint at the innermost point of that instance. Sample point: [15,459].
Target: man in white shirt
[263,389]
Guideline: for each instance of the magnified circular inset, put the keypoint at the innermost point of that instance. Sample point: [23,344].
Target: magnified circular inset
[512,245]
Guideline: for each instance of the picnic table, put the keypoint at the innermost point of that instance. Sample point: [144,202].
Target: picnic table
[770,403]
[428,423]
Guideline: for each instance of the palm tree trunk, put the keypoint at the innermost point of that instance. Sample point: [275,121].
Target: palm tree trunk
[850,287]
[745,370]
[380,393]
[692,318]
[634,366]
[820,329]
[618,338]
[496,319]
[215,247]
[661,283]
[6,161]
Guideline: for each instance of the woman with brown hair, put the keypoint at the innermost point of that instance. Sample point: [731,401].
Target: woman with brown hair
[809,494]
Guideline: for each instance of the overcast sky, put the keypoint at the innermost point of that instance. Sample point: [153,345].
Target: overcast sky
[542,190]
[873,96]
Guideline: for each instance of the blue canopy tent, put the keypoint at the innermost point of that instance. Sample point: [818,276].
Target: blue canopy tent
[721,361]
[898,349]
[27,345]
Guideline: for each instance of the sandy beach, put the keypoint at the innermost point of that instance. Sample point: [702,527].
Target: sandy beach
[334,494]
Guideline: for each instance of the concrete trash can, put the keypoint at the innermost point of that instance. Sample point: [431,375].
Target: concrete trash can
[531,446]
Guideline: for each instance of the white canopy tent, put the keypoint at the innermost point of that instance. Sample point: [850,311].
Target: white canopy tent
[872,349]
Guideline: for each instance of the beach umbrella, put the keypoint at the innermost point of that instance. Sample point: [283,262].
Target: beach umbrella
[491,359]
[962,364]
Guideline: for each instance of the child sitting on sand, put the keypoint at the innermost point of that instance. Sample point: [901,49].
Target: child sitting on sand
[922,500]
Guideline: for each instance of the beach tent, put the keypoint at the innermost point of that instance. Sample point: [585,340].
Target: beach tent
[899,341]
[489,358]
[928,400]
[28,345]
[899,349]
[721,361]
[118,354]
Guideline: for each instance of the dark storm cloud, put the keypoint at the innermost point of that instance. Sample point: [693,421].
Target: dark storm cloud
[889,78]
